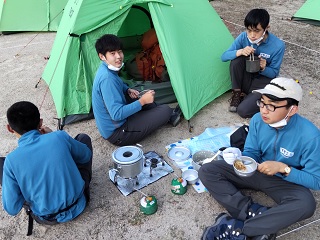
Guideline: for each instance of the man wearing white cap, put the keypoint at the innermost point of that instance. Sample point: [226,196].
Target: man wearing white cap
[286,147]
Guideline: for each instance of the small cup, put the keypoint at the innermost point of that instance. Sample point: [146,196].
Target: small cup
[191,176]
[253,66]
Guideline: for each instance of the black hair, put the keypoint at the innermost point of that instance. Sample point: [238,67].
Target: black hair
[108,43]
[256,16]
[23,117]
[290,101]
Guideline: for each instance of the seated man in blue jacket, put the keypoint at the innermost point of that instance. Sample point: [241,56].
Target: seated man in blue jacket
[286,146]
[124,116]
[48,173]
[257,40]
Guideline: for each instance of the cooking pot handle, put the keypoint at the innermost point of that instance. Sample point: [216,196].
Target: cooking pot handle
[115,177]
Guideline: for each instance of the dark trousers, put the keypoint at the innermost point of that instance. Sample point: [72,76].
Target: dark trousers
[247,82]
[293,202]
[84,169]
[141,124]
[1,168]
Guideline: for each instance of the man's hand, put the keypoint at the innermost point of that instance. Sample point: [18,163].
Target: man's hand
[147,98]
[133,93]
[44,129]
[245,51]
[263,63]
[271,167]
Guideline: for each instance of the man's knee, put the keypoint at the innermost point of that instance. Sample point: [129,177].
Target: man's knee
[247,108]
[244,112]
[236,62]
[84,138]
[163,113]
[308,206]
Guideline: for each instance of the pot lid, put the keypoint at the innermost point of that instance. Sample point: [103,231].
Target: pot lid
[179,153]
[127,155]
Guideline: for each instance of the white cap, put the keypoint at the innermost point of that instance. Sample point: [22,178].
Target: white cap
[282,88]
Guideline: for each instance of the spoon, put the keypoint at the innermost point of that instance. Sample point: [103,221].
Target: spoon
[207,160]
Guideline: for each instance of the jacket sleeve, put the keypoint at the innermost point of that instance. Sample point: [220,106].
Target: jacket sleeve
[12,198]
[231,52]
[115,100]
[273,68]
[80,153]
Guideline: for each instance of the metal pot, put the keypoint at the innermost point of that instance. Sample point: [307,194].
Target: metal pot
[128,161]
[253,65]
[251,167]
[199,156]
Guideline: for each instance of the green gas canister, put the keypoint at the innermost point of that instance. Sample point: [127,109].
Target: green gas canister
[179,186]
[148,205]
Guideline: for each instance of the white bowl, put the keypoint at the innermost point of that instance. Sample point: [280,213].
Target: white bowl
[190,175]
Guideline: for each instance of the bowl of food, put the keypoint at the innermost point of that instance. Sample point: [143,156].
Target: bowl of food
[245,166]
[199,157]
[190,175]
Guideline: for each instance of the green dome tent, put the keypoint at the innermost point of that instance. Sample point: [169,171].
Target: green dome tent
[309,12]
[191,35]
[30,15]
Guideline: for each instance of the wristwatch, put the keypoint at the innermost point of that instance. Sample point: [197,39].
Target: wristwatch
[287,170]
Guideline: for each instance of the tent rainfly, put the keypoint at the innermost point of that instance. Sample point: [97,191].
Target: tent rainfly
[191,35]
[309,12]
[30,15]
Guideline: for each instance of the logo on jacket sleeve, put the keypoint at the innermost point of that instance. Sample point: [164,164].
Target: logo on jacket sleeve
[285,153]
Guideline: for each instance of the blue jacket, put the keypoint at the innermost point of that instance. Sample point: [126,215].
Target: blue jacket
[297,144]
[108,101]
[42,171]
[272,49]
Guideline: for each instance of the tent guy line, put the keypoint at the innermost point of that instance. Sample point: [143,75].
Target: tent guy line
[298,45]
[54,71]
[298,228]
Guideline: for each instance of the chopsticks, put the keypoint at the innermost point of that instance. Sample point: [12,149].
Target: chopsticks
[251,56]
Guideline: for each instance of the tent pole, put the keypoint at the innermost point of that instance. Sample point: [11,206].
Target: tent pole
[190,126]
[61,123]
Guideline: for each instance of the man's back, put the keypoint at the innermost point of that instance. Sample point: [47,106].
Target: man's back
[42,171]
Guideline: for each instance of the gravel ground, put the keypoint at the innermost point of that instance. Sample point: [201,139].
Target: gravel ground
[111,215]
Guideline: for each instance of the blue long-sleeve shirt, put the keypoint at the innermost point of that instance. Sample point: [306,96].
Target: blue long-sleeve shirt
[42,171]
[108,101]
[272,49]
[297,144]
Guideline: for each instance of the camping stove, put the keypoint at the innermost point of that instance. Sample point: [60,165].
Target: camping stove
[153,163]
[128,163]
